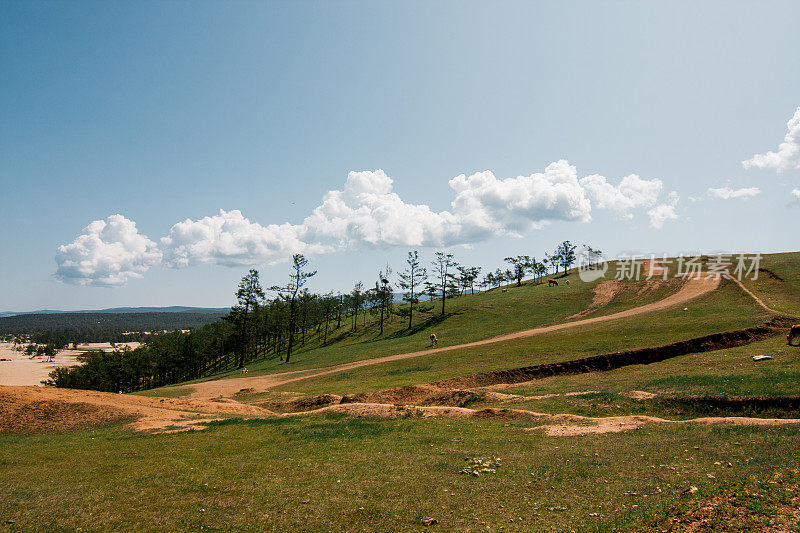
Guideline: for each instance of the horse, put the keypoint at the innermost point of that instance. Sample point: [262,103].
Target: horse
[434,340]
[551,282]
[793,338]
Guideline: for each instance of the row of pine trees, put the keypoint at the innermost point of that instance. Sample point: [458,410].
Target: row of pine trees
[260,327]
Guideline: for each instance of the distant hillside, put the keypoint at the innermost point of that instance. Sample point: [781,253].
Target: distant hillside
[102,326]
[170,309]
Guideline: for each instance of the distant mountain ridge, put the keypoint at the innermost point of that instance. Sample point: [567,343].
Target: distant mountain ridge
[168,309]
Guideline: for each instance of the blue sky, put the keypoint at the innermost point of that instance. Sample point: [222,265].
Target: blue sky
[164,112]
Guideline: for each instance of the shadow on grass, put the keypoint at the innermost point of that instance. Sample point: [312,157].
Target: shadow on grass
[422,326]
[331,426]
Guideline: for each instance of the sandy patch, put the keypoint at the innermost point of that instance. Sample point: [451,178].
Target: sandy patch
[639,395]
[22,370]
[106,346]
[577,425]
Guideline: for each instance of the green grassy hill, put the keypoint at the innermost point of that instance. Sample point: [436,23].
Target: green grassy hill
[323,472]
[473,317]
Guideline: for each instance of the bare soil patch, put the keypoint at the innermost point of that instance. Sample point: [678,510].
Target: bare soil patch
[415,394]
[577,425]
[639,395]
[46,416]
[32,409]
[604,294]
[148,414]
[300,404]
[557,425]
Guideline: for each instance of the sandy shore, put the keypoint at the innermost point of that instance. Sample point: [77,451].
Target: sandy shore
[24,371]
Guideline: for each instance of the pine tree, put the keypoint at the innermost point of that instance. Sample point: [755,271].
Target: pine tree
[412,277]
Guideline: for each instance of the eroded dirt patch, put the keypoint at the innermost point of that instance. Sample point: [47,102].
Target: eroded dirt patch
[604,293]
[46,416]
[415,394]
[639,395]
[147,413]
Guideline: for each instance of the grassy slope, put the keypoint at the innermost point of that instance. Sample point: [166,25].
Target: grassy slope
[478,316]
[467,318]
[727,308]
[781,294]
[724,373]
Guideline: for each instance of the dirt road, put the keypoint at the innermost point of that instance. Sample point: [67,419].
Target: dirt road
[693,288]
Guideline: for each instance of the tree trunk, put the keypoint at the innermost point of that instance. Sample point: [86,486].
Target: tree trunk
[243,346]
[291,331]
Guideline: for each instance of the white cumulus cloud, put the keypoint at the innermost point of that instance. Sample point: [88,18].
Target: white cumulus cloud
[367,212]
[788,154]
[727,193]
[485,205]
[108,253]
[631,193]
[230,239]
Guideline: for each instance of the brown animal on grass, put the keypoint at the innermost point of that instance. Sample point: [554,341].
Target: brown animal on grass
[551,282]
[434,340]
[793,338]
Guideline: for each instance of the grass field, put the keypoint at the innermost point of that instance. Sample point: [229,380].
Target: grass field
[368,475]
[336,473]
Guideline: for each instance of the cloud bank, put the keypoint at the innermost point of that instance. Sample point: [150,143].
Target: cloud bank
[788,154]
[366,212]
[230,239]
[726,193]
[107,253]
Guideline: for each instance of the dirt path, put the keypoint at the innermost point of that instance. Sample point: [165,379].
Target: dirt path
[758,300]
[693,288]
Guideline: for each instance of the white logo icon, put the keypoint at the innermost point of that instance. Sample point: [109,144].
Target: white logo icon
[591,271]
